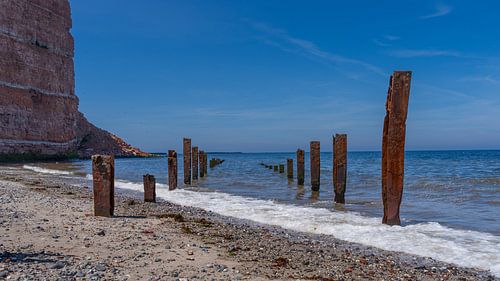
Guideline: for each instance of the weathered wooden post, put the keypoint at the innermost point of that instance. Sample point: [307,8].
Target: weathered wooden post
[202,166]
[149,188]
[300,167]
[393,145]
[187,160]
[275,168]
[103,174]
[340,167]
[315,165]
[205,164]
[282,168]
[172,169]
[289,168]
[194,162]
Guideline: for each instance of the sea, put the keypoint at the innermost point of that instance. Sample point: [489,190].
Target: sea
[450,209]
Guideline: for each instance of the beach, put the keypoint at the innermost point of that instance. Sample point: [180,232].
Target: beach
[49,233]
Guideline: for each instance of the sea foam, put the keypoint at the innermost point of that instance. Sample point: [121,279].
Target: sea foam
[462,247]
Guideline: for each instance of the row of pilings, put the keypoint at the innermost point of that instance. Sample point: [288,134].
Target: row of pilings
[195,162]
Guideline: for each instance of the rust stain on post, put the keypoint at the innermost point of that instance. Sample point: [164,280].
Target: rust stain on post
[300,167]
[103,174]
[194,162]
[340,166]
[149,188]
[187,160]
[289,168]
[172,169]
[393,145]
[315,165]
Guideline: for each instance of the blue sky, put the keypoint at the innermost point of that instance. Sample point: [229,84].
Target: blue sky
[273,75]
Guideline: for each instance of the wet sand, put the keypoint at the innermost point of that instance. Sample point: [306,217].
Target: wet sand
[48,232]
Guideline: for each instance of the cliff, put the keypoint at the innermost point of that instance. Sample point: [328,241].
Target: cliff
[38,106]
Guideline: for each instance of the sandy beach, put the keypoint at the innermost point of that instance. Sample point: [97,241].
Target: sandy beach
[48,232]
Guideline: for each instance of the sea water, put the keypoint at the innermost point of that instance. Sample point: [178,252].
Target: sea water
[450,209]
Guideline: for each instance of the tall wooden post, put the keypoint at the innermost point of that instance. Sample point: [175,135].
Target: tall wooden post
[340,167]
[289,168]
[393,145]
[202,165]
[275,168]
[103,174]
[187,160]
[172,169]
[300,167]
[315,165]
[282,168]
[194,162]
[149,188]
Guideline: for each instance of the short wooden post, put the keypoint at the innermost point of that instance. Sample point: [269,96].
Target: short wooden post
[172,169]
[187,160]
[340,167]
[282,168]
[194,162]
[315,165]
[149,188]
[205,163]
[275,168]
[202,166]
[300,167]
[103,174]
[289,168]
[393,145]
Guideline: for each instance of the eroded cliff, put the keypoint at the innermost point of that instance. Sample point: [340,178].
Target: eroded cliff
[38,106]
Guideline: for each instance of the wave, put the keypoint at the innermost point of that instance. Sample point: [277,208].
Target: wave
[46,171]
[465,248]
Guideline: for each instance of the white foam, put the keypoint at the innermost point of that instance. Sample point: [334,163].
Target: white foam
[462,247]
[46,171]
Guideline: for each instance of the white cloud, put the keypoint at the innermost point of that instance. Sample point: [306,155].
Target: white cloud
[440,10]
[281,39]
[413,53]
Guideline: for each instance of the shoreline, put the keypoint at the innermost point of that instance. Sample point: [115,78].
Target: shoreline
[145,241]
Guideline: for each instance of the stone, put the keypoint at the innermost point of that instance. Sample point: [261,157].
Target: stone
[39,114]
[186,153]
[103,174]
[289,168]
[340,167]
[194,162]
[172,169]
[149,188]
[300,167]
[393,145]
[315,165]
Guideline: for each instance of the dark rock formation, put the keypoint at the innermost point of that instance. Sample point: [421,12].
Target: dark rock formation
[38,106]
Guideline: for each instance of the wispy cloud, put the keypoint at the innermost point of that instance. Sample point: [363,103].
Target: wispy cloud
[391,37]
[384,41]
[486,78]
[281,39]
[413,53]
[440,10]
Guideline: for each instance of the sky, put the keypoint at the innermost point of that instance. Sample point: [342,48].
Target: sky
[262,76]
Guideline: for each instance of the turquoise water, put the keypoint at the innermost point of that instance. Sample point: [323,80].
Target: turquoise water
[460,189]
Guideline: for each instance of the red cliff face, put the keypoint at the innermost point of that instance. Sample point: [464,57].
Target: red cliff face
[38,106]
